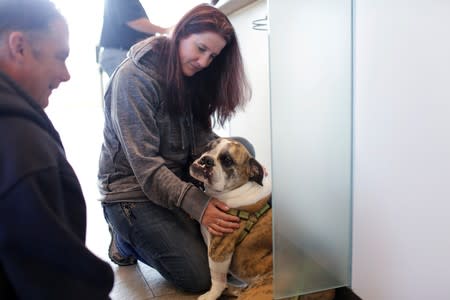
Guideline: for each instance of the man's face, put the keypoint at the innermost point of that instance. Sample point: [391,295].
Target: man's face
[44,65]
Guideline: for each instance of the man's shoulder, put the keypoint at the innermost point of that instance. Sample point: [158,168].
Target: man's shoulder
[27,149]
[26,143]
[18,131]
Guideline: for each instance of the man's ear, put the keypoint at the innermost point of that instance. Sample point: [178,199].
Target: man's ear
[16,45]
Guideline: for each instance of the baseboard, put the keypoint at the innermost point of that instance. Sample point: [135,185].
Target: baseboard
[345,293]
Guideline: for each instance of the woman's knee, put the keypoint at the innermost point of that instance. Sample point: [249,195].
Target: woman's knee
[194,282]
[190,274]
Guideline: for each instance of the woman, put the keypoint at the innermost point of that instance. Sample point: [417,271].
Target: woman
[158,111]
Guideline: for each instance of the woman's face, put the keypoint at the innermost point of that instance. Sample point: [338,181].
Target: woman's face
[198,50]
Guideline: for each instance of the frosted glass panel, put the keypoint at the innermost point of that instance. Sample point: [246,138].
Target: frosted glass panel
[310,82]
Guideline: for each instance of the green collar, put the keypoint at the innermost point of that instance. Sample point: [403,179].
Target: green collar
[251,218]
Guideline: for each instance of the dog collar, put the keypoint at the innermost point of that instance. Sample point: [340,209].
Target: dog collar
[251,218]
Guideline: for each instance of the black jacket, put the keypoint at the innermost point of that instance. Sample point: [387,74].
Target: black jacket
[42,210]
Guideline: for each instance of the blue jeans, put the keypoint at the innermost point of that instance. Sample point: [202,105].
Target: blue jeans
[167,240]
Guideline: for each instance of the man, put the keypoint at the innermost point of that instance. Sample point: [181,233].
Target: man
[125,22]
[42,208]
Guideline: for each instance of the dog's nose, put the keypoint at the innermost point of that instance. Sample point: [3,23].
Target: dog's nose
[207,161]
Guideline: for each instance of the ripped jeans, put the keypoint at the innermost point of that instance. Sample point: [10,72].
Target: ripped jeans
[167,240]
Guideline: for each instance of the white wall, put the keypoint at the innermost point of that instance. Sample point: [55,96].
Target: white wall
[254,122]
[401,222]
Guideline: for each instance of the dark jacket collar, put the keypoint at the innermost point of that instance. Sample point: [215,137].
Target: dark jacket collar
[16,103]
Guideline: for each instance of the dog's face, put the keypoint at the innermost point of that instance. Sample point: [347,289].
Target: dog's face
[225,166]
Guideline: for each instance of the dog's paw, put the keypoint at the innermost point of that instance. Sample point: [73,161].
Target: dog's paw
[207,296]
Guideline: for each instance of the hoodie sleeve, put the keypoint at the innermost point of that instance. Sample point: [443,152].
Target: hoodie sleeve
[135,100]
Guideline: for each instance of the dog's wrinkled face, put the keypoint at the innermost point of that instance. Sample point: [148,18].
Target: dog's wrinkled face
[225,166]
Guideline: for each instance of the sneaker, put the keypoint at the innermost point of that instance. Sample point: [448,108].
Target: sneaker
[114,254]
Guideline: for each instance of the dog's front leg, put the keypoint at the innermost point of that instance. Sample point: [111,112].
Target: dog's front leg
[219,272]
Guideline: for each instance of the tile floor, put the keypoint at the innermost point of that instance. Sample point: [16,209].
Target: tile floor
[140,282]
[137,282]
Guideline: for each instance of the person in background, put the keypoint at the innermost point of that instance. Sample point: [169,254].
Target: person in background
[125,22]
[43,214]
[160,108]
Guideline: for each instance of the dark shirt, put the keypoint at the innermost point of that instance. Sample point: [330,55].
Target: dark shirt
[115,31]
[42,210]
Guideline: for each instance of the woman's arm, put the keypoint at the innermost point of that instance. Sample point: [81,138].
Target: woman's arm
[135,100]
[144,25]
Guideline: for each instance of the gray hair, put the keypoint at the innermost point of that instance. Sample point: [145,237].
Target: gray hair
[27,15]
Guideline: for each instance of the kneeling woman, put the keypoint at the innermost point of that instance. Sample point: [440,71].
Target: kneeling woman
[159,109]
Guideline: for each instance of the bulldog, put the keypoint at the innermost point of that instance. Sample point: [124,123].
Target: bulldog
[229,173]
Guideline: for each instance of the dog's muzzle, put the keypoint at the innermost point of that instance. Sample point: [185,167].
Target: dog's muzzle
[207,161]
[203,167]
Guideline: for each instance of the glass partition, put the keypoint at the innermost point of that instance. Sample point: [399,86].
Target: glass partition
[311,113]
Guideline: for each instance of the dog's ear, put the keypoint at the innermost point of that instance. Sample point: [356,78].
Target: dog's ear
[256,171]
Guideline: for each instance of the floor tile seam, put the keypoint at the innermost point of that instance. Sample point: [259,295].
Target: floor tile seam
[146,282]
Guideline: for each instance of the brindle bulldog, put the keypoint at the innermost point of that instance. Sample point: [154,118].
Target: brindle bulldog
[230,174]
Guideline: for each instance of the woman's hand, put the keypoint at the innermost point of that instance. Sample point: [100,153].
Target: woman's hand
[217,220]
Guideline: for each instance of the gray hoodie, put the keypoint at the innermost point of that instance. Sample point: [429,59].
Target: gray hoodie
[146,153]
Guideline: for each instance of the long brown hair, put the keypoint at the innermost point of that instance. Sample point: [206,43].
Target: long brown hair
[216,91]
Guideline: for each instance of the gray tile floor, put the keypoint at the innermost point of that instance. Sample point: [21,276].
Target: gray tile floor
[140,282]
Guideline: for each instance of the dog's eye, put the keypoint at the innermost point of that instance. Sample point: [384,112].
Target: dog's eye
[226,161]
